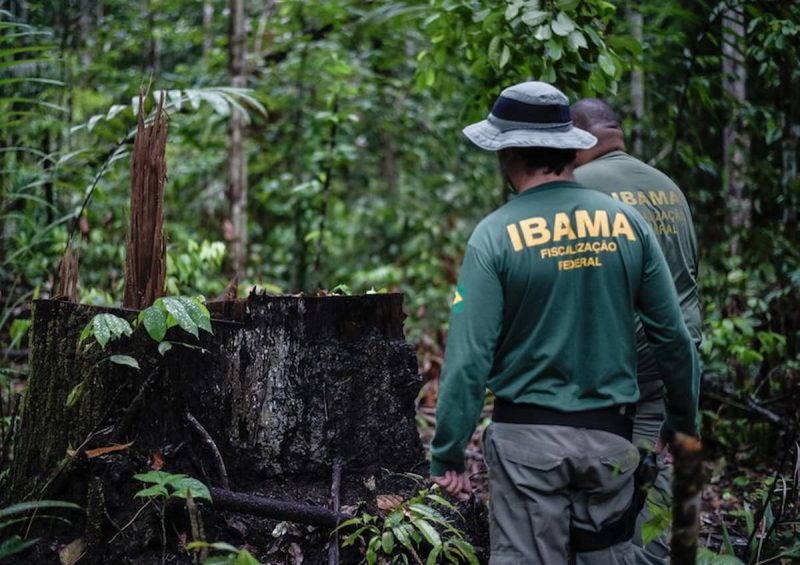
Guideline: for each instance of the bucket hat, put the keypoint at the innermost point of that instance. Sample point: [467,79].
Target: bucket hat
[529,114]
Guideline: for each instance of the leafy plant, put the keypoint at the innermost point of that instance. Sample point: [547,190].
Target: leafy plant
[414,529]
[232,554]
[104,328]
[164,485]
[17,513]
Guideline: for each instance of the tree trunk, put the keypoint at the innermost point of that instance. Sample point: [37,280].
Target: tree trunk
[284,387]
[208,32]
[687,485]
[735,141]
[237,156]
[637,86]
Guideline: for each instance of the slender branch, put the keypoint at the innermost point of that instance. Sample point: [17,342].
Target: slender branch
[336,485]
[276,509]
[326,187]
[133,408]
[209,441]
[131,521]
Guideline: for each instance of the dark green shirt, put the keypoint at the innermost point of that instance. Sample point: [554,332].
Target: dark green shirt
[663,205]
[544,313]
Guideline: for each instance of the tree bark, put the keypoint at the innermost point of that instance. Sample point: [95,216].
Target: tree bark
[687,486]
[637,86]
[208,37]
[284,388]
[735,141]
[237,157]
[146,257]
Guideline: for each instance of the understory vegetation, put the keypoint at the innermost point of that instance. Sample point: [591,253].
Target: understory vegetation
[359,180]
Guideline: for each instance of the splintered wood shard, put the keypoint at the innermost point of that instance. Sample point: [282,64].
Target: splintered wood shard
[145,265]
[68,276]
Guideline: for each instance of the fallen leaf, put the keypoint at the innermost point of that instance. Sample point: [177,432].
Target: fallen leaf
[156,461]
[72,552]
[92,453]
[388,502]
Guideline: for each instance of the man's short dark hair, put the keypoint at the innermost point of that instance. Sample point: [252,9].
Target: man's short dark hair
[546,159]
[590,113]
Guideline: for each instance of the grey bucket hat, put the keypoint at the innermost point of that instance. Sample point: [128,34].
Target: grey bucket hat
[529,114]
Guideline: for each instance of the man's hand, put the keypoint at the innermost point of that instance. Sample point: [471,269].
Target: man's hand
[661,446]
[455,483]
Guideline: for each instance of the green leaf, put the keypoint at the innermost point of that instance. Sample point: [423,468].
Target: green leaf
[108,326]
[154,319]
[197,312]
[157,477]
[428,532]
[155,490]
[562,25]
[15,544]
[101,331]
[657,523]
[372,550]
[163,347]
[75,394]
[577,41]
[433,556]
[554,49]
[505,55]
[244,557]
[124,360]
[543,33]
[87,331]
[467,550]
[178,311]
[533,17]
[185,484]
[402,535]
[607,64]
[567,5]
[387,542]
[23,507]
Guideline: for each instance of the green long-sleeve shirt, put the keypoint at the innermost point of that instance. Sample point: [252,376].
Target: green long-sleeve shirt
[663,205]
[544,314]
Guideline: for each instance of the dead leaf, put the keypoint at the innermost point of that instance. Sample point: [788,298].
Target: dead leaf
[388,502]
[156,461]
[72,552]
[92,453]
[296,554]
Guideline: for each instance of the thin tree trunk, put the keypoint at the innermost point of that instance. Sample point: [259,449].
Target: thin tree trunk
[237,157]
[735,141]
[208,17]
[789,143]
[637,86]
[258,41]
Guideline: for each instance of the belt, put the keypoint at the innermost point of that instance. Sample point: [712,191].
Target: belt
[615,419]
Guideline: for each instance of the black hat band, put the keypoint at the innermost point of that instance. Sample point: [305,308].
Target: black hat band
[515,111]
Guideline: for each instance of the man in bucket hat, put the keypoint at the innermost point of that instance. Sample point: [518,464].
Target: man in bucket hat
[543,315]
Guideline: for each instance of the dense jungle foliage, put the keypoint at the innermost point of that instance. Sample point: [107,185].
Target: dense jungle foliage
[359,178]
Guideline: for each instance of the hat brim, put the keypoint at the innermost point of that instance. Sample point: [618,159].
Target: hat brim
[488,137]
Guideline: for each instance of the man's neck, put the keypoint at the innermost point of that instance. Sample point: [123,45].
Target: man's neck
[526,181]
[608,140]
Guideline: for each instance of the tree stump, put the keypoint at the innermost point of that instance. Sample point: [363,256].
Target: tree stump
[285,387]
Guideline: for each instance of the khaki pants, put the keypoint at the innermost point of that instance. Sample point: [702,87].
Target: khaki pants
[543,478]
[646,426]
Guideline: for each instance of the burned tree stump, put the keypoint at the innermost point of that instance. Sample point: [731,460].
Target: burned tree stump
[284,387]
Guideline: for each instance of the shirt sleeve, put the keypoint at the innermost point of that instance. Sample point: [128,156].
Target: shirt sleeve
[666,331]
[475,322]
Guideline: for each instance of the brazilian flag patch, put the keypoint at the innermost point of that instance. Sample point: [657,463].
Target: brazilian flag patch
[458,299]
